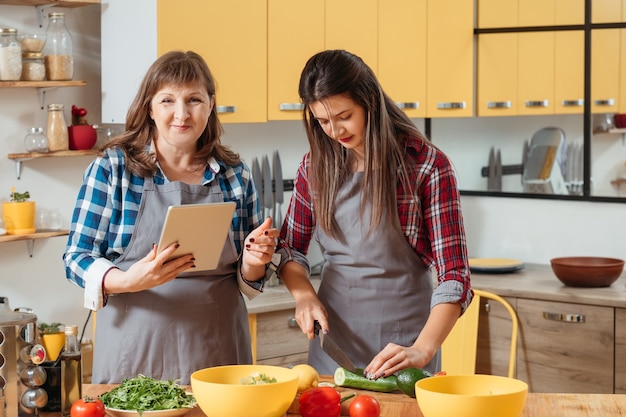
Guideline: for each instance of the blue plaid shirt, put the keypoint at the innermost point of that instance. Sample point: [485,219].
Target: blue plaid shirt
[106,210]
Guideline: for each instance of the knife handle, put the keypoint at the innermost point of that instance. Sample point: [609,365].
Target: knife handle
[316,328]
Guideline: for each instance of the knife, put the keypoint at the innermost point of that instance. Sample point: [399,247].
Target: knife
[258,181]
[333,350]
[278,190]
[268,197]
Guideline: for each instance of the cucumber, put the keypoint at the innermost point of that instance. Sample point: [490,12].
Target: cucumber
[345,378]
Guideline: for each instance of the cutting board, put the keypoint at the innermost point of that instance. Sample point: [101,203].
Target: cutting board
[391,404]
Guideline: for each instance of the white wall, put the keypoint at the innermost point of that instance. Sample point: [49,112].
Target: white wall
[528,229]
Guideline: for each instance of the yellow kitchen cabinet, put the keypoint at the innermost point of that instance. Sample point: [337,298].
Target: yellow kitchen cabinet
[293,36]
[569,72]
[569,12]
[620,351]
[535,73]
[535,12]
[607,11]
[497,72]
[450,58]
[605,70]
[279,340]
[496,13]
[622,77]
[402,52]
[232,38]
[353,25]
[513,13]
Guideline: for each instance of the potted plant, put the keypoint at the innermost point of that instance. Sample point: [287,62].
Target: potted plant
[19,214]
[52,338]
[81,135]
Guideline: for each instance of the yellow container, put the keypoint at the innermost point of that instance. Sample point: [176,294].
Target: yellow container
[53,343]
[19,217]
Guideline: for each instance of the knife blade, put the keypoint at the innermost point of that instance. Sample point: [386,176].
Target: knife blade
[333,350]
[268,196]
[258,181]
[278,190]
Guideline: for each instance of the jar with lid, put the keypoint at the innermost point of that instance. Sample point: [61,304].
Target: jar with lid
[10,55]
[36,140]
[58,139]
[33,67]
[58,51]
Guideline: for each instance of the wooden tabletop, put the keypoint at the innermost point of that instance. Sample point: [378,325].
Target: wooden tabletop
[400,405]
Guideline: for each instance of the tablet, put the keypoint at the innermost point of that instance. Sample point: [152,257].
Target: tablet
[200,229]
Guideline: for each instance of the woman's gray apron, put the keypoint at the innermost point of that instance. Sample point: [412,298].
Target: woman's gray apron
[375,287]
[196,321]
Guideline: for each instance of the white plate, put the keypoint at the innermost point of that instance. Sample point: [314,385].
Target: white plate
[174,412]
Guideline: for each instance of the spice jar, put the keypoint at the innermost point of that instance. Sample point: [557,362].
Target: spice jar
[58,51]
[10,55]
[57,129]
[35,140]
[33,67]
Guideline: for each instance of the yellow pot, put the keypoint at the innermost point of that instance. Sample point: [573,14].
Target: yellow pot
[53,343]
[19,218]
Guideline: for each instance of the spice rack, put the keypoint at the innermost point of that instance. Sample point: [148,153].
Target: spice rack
[18,158]
[31,237]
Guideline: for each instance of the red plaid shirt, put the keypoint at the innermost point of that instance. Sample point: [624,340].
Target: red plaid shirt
[431,220]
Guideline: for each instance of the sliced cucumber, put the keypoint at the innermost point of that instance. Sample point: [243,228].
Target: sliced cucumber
[345,378]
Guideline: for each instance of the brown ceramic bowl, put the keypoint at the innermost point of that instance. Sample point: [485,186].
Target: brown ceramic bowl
[587,271]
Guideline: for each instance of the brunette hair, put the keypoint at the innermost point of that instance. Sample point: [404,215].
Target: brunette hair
[174,68]
[338,72]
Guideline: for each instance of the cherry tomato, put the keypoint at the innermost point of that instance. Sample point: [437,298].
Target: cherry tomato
[88,407]
[364,406]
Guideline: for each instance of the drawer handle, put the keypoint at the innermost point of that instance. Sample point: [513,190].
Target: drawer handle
[291,322]
[291,106]
[573,103]
[452,105]
[499,104]
[537,103]
[608,102]
[570,318]
[408,104]
[226,109]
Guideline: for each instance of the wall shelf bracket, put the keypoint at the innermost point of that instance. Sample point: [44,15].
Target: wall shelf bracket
[30,247]
[41,13]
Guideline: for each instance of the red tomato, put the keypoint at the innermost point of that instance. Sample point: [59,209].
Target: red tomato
[88,407]
[364,406]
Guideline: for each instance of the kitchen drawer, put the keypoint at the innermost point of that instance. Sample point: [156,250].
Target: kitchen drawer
[279,339]
[565,347]
[620,350]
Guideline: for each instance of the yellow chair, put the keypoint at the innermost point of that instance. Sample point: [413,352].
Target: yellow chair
[458,351]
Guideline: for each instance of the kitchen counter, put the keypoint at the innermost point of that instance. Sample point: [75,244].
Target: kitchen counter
[400,405]
[538,282]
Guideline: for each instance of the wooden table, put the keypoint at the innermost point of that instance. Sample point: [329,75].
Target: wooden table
[400,405]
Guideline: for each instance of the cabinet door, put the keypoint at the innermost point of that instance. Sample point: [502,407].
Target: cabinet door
[620,351]
[450,58]
[497,75]
[558,353]
[536,12]
[232,38]
[606,11]
[569,72]
[353,25]
[569,12]
[494,338]
[279,339]
[536,73]
[292,38]
[497,13]
[402,52]
[622,77]
[605,70]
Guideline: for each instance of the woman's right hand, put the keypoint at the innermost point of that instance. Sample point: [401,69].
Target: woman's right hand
[309,309]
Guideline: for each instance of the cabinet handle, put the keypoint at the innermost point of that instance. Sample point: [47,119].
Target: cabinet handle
[570,318]
[607,102]
[451,105]
[408,104]
[291,322]
[573,103]
[537,103]
[291,106]
[499,104]
[226,109]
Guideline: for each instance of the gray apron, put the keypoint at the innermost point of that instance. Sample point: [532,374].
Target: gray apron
[375,287]
[196,321]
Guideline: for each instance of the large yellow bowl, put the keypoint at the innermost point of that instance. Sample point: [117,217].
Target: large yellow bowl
[220,393]
[471,396]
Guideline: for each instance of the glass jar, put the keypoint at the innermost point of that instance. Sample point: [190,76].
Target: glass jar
[58,50]
[33,67]
[58,139]
[10,55]
[35,140]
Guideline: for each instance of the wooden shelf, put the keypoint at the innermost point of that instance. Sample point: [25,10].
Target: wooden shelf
[60,3]
[41,84]
[31,237]
[18,158]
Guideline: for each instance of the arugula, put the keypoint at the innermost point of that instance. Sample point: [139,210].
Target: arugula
[147,394]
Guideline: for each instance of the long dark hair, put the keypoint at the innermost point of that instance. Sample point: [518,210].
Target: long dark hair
[338,72]
[174,68]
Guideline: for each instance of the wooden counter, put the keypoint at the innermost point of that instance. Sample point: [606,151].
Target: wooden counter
[537,405]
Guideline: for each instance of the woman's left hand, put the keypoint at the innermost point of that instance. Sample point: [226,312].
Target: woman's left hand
[259,246]
[394,358]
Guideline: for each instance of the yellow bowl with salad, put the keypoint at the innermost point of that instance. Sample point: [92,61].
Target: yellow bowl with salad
[244,390]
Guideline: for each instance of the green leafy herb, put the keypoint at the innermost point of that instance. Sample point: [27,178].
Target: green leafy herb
[147,394]
[257,378]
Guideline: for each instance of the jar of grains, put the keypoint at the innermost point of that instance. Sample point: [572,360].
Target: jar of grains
[57,133]
[10,55]
[33,67]
[58,50]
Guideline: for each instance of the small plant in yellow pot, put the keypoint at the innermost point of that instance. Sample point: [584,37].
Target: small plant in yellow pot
[19,214]
[52,338]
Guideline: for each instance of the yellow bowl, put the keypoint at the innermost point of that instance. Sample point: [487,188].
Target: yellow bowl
[220,393]
[471,396]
